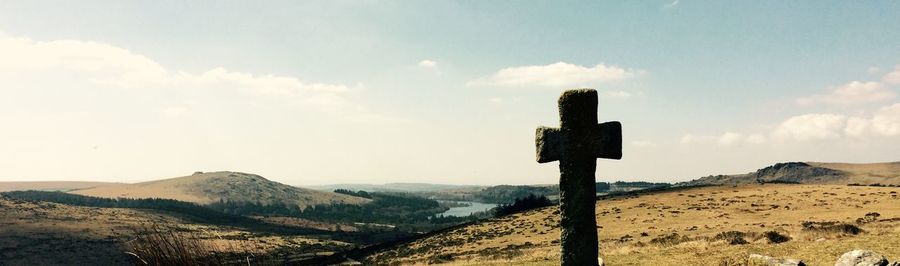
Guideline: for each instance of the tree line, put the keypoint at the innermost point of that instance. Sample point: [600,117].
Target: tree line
[523,204]
[384,208]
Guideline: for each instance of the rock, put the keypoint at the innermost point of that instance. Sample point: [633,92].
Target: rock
[861,258]
[796,172]
[776,261]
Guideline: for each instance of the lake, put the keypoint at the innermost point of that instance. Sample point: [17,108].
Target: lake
[467,210]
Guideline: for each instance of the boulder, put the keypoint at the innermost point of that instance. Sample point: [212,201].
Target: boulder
[770,261]
[861,258]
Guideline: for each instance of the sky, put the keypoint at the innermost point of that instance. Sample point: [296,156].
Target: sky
[323,92]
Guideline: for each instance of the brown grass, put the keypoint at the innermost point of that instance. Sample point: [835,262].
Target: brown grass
[98,236]
[155,245]
[681,228]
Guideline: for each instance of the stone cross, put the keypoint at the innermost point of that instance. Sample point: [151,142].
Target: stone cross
[577,144]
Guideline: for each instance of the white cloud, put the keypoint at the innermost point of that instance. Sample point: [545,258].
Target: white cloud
[892,77]
[730,138]
[555,75]
[694,139]
[108,65]
[873,70]
[617,94]
[811,127]
[105,64]
[725,139]
[855,92]
[671,5]
[883,123]
[496,100]
[886,122]
[643,144]
[856,127]
[756,139]
[427,63]
[173,111]
[815,127]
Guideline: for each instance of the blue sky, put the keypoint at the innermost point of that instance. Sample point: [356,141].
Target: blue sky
[443,92]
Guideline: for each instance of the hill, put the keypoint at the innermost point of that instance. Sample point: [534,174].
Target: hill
[684,226]
[42,233]
[205,188]
[811,173]
[51,185]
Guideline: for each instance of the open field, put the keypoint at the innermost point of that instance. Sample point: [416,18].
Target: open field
[815,223]
[56,234]
[51,185]
[870,173]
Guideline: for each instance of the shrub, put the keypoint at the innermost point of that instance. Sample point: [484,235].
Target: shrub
[670,240]
[832,227]
[775,237]
[732,237]
[522,204]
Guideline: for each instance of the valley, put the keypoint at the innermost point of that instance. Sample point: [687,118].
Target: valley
[810,209]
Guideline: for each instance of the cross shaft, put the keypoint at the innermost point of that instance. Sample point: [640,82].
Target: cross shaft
[577,144]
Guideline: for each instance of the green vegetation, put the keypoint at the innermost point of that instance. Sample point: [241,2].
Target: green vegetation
[385,208]
[181,207]
[361,194]
[522,204]
[505,194]
[629,186]
[187,210]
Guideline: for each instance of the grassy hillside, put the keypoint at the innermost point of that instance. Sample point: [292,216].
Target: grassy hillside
[56,234]
[205,188]
[697,226]
[872,173]
[51,185]
[811,173]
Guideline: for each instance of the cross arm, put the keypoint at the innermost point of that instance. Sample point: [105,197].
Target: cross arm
[605,142]
[608,140]
[549,142]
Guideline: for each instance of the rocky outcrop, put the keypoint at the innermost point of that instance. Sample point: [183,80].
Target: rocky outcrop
[862,258]
[770,261]
[797,172]
[790,173]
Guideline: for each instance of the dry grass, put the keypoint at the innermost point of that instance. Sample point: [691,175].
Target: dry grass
[156,245]
[869,173]
[681,227]
[51,185]
[98,236]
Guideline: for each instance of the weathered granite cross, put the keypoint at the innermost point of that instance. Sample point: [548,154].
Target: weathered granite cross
[577,144]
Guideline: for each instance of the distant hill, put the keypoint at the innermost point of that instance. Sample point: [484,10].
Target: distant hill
[51,185]
[205,188]
[811,173]
[394,187]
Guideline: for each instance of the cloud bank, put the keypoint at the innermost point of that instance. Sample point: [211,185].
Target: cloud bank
[107,65]
[556,75]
